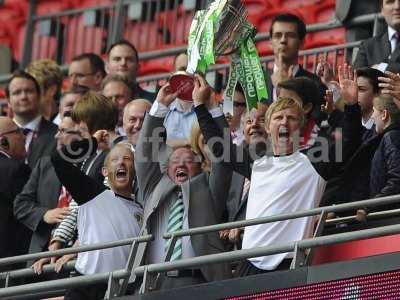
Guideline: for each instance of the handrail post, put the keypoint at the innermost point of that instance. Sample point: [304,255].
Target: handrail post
[167,257]
[112,287]
[145,284]
[7,280]
[29,31]
[299,257]
[318,232]
[129,266]
[118,23]
[376,25]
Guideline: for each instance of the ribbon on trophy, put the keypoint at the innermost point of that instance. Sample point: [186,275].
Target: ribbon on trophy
[222,29]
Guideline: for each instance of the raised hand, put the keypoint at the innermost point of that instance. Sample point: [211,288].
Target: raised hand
[325,71]
[329,105]
[284,71]
[348,84]
[201,92]
[391,85]
[103,139]
[166,96]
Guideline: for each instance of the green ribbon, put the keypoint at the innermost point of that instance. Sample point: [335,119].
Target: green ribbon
[245,66]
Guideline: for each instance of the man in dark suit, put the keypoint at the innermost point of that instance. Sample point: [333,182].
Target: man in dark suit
[123,60]
[202,199]
[23,93]
[16,173]
[382,50]
[287,34]
[39,205]
[346,10]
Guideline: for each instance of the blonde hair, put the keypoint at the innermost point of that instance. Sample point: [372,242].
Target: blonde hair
[47,73]
[386,102]
[194,144]
[284,103]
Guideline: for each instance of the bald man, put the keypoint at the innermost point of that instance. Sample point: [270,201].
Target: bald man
[133,117]
[12,154]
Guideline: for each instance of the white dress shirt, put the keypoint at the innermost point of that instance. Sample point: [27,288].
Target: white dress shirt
[367,124]
[393,41]
[178,122]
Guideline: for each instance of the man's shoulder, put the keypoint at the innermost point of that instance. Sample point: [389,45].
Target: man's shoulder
[142,93]
[375,40]
[47,126]
[11,165]
[392,138]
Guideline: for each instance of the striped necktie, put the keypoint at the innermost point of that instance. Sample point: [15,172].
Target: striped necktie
[175,222]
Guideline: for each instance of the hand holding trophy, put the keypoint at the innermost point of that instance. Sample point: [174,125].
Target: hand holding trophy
[222,29]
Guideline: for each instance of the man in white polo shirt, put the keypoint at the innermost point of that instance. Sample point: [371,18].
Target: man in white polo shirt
[104,215]
[287,180]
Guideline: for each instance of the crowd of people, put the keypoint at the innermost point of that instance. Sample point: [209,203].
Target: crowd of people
[107,160]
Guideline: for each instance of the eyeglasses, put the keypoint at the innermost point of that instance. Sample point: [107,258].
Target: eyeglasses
[68,131]
[16,130]
[239,104]
[79,75]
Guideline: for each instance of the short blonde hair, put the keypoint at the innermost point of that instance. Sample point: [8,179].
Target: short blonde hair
[47,73]
[386,102]
[284,103]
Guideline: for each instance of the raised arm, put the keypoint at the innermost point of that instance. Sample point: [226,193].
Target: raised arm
[218,139]
[151,143]
[340,153]
[81,187]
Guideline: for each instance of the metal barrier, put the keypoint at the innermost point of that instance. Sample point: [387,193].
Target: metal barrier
[299,247]
[34,256]
[112,277]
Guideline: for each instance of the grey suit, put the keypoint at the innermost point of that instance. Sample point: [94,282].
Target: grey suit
[204,196]
[43,144]
[40,194]
[377,50]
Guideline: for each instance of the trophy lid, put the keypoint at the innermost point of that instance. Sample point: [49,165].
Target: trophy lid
[184,83]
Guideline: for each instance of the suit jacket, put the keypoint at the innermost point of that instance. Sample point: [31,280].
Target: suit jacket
[377,50]
[204,196]
[40,194]
[143,94]
[346,9]
[15,175]
[43,143]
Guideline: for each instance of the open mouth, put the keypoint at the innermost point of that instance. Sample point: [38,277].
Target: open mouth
[283,132]
[255,133]
[121,173]
[181,175]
